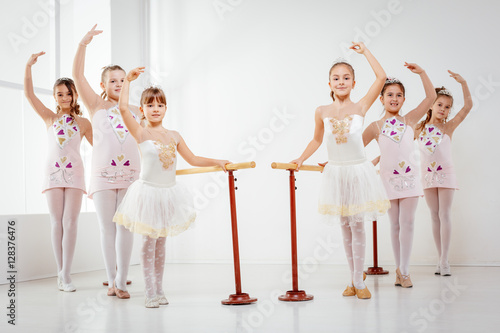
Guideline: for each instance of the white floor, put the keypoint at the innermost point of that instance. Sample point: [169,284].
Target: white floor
[468,301]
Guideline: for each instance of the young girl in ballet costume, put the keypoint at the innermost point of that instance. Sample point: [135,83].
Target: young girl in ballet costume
[438,174]
[155,206]
[351,192]
[64,182]
[398,169]
[115,164]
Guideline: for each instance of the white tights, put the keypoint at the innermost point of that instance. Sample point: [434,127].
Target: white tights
[402,217]
[64,208]
[116,240]
[354,245]
[439,201]
[153,265]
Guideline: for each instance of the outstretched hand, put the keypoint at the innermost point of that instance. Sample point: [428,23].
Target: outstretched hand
[414,68]
[134,73]
[34,57]
[457,77]
[222,164]
[88,37]
[358,47]
[298,162]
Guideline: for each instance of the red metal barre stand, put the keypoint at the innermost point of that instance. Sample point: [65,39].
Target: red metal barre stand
[375,270]
[239,297]
[294,295]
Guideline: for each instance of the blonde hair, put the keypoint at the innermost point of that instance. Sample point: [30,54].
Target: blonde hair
[104,74]
[70,84]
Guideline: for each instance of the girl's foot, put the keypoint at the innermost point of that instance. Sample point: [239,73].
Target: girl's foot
[152,303]
[161,299]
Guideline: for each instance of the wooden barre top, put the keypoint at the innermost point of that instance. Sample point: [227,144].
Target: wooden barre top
[231,166]
[292,166]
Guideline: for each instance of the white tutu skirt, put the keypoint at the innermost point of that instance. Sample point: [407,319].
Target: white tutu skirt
[156,211]
[352,193]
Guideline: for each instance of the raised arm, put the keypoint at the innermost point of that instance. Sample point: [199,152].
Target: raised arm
[314,144]
[87,94]
[374,91]
[453,124]
[133,127]
[87,130]
[46,114]
[430,94]
[198,161]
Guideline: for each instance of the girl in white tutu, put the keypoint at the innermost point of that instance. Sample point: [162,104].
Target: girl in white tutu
[154,205]
[351,192]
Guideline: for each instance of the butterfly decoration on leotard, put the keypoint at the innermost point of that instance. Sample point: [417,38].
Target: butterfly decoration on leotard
[340,128]
[434,175]
[394,129]
[65,128]
[166,153]
[402,178]
[430,138]
[63,174]
[119,170]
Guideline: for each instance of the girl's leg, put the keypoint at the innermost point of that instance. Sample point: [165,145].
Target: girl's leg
[55,201]
[124,244]
[72,206]
[148,265]
[393,213]
[105,207]
[358,253]
[160,265]
[347,237]
[432,199]
[407,209]
[445,200]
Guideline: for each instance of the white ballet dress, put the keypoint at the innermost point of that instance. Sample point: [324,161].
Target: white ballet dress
[155,205]
[351,191]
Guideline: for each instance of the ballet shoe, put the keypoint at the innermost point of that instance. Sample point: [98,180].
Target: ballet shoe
[111,291]
[445,270]
[161,299]
[68,287]
[364,276]
[59,282]
[363,293]
[151,303]
[398,277]
[349,291]
[406,281]
[438,269]
[121,294]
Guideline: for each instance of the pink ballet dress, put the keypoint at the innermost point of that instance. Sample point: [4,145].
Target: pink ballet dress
[156,205]
[436,160]
[398,165]
[64,165]
[115,157]
[351,191]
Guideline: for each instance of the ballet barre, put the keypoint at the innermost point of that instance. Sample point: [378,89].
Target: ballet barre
[294,295]
[239,297]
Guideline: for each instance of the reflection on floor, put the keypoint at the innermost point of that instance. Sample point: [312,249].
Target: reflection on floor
[467,301]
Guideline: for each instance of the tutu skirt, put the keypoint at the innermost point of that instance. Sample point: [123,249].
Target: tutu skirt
[352,193]
[156,211]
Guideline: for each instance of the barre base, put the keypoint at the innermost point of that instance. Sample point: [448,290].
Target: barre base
[376,271]
[295,296]
[239,299]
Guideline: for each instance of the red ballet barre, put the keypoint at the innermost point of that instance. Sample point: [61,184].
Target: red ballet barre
[375,270]
[239,297]
[294,295]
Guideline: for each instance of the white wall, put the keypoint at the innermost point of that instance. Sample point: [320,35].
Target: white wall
[243,79]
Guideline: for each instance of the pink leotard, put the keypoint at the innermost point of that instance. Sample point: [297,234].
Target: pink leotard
[64,165]
[115,156]
[436,160]
[398,163]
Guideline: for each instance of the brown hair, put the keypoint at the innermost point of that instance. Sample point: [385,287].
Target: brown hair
[152,94]
[335,65]
[104,73]
[391,82]
[439,92]
[70,84]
